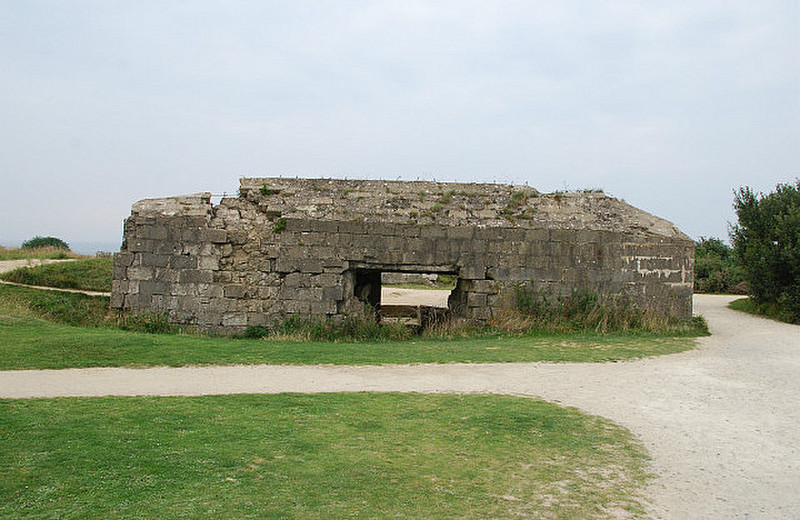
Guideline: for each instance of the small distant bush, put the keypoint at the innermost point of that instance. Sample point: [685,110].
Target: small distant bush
[38,242]
[716,269]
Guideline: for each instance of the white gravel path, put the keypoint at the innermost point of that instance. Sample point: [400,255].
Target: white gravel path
[722,422]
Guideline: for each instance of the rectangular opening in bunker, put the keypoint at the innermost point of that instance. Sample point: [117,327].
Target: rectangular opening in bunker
[415,299]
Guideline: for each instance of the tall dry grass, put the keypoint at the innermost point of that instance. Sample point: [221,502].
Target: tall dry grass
[42,253]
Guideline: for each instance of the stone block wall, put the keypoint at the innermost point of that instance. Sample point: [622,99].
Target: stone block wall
[313,248]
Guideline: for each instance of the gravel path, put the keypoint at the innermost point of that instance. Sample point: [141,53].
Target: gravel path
[721,422]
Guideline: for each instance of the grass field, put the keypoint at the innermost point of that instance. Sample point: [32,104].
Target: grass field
[27,341]
[50,253]
[49,329]
[322,456]
[91,274]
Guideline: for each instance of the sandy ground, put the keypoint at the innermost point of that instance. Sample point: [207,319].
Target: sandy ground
[721,422]
[10,265]
[425,297]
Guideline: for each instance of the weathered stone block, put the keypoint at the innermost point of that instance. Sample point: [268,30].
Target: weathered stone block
[183,262]
[476,299]
[154,260]
[472,272]
[123,258]
[195,276]
[153,232]
[332,293]
[137,245]
[208,262]
[140,273]
[498,273]
[234,319]
[215,236]
[234,291]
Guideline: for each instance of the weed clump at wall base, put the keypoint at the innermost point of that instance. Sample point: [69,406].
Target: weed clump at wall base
[148,321]
[587,311]
[351,328]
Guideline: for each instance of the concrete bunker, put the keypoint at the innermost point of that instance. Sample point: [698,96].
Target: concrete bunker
[320,247]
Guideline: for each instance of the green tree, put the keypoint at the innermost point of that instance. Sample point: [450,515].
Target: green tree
[766,242]
[38,242]
[716,269]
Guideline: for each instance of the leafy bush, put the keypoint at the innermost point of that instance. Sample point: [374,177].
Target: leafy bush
[38,242]
[716,269]
[766,242]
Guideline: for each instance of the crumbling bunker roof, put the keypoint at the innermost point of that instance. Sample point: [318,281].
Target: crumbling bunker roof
[450,204]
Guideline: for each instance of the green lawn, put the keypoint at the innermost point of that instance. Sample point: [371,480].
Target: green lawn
[314,456]
[27,342]
[93,274]
[766,310]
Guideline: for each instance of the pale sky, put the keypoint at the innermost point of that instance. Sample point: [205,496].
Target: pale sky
[669,105]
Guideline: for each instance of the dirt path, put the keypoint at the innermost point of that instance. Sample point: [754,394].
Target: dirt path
[10,265]
[721,422]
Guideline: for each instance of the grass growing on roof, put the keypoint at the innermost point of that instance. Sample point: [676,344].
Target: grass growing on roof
[314,456]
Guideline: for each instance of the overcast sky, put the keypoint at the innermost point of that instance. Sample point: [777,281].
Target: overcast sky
[668,105]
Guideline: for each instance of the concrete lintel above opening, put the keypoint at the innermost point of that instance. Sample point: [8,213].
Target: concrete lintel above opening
[405,268]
